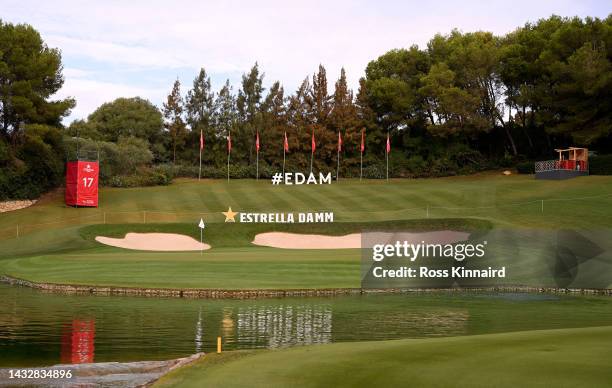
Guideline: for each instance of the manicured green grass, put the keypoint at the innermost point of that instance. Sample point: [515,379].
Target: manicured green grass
[512,200]
[548,358]
[233,262]
[51,247]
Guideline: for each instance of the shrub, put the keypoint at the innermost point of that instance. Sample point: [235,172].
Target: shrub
[132,154]
[144,177]
[526,167]
[36,165]
[600,165]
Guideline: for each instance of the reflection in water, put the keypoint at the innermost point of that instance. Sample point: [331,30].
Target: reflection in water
[78,342]
[285,325]
[198,336]
[39,329]
[227,323]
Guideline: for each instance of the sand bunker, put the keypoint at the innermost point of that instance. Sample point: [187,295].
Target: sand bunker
[154,242]
[353,240]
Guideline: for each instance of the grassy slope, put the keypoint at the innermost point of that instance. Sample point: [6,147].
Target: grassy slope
[550,358]
[232,263]
[486,196]
[59,252]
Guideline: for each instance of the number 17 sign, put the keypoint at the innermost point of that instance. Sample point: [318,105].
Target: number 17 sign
[82,183]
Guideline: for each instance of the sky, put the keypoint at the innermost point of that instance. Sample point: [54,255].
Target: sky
[133,48]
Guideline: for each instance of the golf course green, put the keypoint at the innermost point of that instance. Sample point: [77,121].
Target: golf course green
[56,243]
[546,358]
[52,243]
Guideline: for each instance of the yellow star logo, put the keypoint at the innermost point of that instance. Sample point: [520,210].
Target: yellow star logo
[229,215]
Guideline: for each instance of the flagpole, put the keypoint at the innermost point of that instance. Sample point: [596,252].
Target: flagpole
[284,151]
[361,148]
[311,156]
[338,167]
[387,155]
[387,167]
[200,170]
[361,166]
[229,152]
[312,148]
[338,157]
[257,156]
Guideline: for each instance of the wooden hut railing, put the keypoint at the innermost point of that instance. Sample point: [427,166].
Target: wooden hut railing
[554,165]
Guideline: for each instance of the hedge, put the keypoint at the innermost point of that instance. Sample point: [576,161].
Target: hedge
[600,165]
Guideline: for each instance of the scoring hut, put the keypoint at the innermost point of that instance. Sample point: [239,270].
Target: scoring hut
[572,162]
[82,183]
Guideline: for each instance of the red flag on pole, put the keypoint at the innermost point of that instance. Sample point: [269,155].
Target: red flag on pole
[314,143]
[201,141]
[229,143]
[286,145]
[362,148]
[257,142]
[388,144]
[339,142]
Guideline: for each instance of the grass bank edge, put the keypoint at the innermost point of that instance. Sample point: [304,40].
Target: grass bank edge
[527,358]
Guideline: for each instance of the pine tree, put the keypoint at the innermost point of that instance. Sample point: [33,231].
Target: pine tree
[274,124]
[200,107]
[343,117]
[320,110]
[249,109]
[173,118]
[299,124]
[321,101]
[225,118]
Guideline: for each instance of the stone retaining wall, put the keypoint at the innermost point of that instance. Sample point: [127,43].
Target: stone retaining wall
[210,293]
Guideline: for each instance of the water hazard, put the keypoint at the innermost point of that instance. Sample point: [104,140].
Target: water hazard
[38,329]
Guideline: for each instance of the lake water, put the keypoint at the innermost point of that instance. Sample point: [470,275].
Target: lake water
[38,329]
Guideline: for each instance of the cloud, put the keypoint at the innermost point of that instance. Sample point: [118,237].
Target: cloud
[113,53]
[140,47]
[91,94]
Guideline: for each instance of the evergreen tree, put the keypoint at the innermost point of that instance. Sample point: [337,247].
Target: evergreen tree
[249,110]
[200,109]
[299,126]
[320,109]
[274,124]
[173,115]
[225,118]
[344,119]
[30,73]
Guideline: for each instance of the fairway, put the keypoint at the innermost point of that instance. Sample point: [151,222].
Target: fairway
[56,243]
[265,194]
[546,358]
[512,200]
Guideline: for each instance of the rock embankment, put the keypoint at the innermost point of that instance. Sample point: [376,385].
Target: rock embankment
[212,293]
[101,374]
[9,206]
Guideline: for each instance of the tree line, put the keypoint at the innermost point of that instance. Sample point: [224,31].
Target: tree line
[465,102]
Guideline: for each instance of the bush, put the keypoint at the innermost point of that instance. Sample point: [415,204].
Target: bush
[600,165]
[157,176]
[133,153]
[237,171]
[374,171]
[525,168]
[123,162]
[36,165]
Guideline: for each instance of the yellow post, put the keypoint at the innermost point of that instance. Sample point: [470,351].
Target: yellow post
[218,345]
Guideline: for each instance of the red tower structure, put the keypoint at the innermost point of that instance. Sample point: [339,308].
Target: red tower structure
[82,183]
